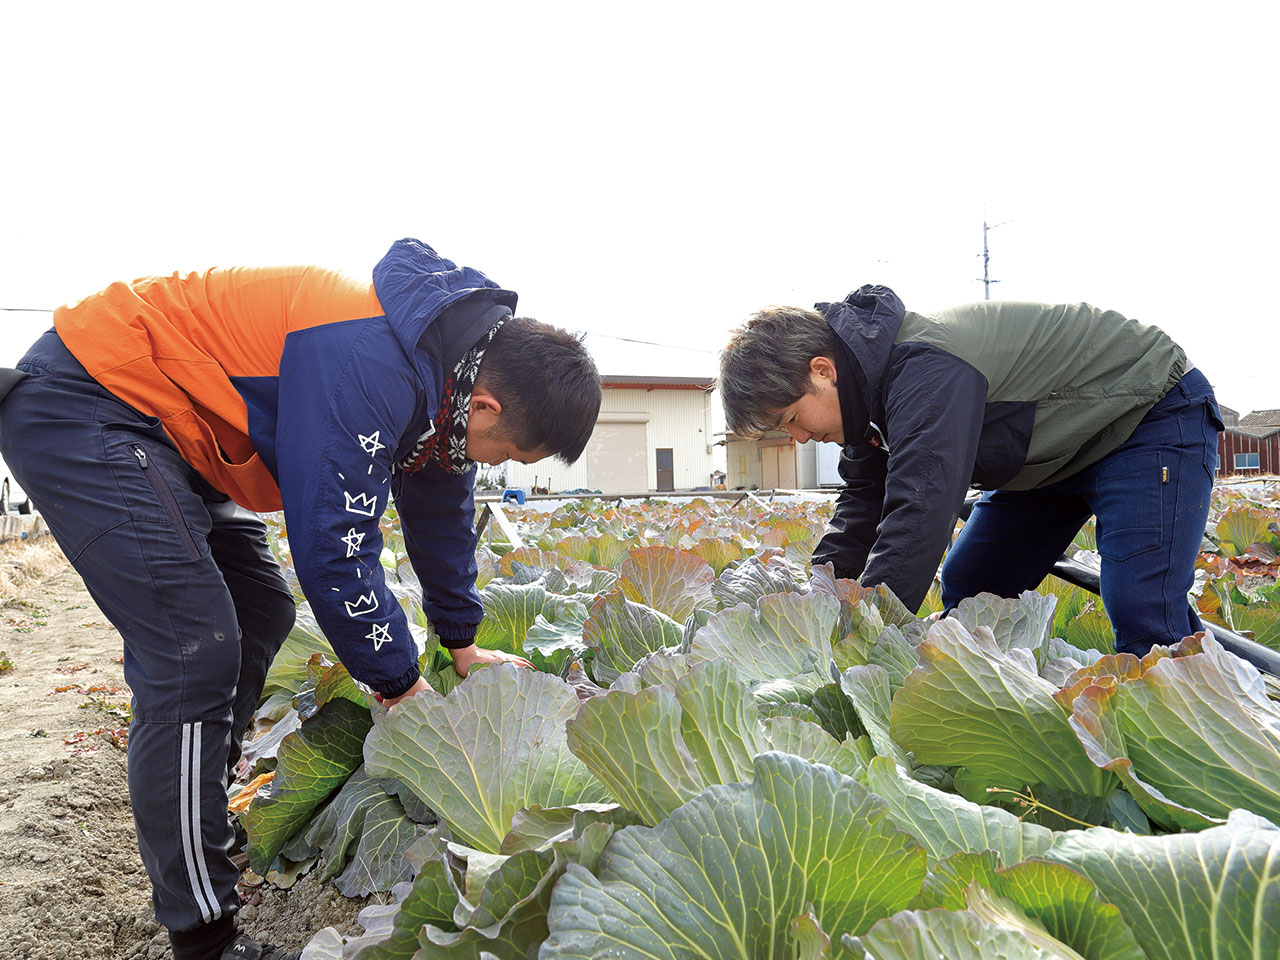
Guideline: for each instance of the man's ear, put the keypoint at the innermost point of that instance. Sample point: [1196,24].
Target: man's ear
[484,409]
[824,367]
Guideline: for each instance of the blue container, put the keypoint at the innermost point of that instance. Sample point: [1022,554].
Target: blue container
[513,494]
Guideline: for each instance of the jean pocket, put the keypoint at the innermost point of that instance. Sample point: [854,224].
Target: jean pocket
[1214,415]
[1212,428]
[1130,504]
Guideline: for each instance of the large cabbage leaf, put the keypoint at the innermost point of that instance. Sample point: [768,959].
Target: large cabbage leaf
[810,741]
[718,552]
[1091,630]
[656,748]
[868,640]
[836,713]
[947,824]
[783,636]
[1047,896]
[361,837]
[954,935]
[1193,736]
[494,744]
[559,573]
[867,688]
[991,925]
[631,741]
[856,601]
[603,551]
[392,931]
[551,645]
[725,875]
[971,704]
[1015,623]
[313,762]
[510,609]
[1241,527]
[671,581]
[1070,602]
[1188,896]
[1254,617]
[621,631]
[502,915]
[288,669]
[754,577]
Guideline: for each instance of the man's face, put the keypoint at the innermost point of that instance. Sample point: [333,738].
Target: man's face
[485,445]
[816,416]
[486,440]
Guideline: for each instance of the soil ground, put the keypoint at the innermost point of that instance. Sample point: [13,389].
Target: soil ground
[72,886]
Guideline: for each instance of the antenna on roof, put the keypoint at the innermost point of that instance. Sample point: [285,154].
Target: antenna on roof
[986,257]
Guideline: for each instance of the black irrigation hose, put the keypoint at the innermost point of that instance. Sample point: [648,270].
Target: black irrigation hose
[1264,658]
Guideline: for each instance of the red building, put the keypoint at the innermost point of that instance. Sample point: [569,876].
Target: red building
[1250,444]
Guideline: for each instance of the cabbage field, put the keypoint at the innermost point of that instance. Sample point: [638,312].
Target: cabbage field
[725,754]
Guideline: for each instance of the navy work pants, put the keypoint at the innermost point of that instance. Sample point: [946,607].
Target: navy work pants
[1151,498]
[188,579]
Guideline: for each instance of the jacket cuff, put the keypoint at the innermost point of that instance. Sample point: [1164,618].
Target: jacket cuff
[399,686]
[455,635]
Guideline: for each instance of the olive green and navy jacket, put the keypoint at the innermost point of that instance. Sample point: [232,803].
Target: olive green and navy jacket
[994,395]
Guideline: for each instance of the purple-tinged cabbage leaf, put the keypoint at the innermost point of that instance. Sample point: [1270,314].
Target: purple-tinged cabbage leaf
[671,581]
[1192,735]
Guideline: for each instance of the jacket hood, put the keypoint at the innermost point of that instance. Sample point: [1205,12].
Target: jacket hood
[868,321]
[415,285]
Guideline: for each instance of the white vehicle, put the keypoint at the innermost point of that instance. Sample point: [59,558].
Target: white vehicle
[828,456]
[12,497]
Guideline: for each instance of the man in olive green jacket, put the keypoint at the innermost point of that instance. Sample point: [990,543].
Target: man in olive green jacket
[1059,412]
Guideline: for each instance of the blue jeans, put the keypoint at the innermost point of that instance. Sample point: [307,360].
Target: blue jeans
[1151,498]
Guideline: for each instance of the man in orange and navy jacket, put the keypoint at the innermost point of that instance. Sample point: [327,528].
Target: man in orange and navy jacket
[157,416]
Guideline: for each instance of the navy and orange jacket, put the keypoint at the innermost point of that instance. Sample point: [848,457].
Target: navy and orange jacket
[299,389]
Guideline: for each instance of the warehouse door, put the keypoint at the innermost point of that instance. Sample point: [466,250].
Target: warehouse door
[617,458]
[787,467]
[666,469]
[768,468]
[778,467]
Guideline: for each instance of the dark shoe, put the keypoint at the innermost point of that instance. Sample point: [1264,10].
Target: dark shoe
[244,947]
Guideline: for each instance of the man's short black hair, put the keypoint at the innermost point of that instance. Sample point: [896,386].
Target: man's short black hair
[547,384]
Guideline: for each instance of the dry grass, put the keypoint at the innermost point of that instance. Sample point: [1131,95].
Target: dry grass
[25,561]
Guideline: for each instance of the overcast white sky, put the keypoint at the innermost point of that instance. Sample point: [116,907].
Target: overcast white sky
[657,171]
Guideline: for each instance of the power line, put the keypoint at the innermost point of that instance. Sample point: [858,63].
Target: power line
[650,343]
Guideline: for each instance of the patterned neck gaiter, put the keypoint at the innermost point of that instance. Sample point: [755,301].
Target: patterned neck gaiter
[446,444]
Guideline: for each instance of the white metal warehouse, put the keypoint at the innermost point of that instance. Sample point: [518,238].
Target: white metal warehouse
[653,434]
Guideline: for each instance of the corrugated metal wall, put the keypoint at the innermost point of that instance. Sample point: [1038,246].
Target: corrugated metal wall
[674,418]
[1230,443]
